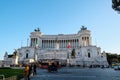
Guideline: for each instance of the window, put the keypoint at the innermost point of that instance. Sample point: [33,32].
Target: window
[101,55]
[98,53]
[26,55]
[88,54]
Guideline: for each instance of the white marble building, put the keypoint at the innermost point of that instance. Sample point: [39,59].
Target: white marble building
[10,59]
[47,47]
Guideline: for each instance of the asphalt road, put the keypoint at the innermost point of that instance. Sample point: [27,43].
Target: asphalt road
[76,73]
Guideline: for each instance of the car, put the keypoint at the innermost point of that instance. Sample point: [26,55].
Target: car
[117,67]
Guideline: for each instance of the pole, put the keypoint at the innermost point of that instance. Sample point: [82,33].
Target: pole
[27,42]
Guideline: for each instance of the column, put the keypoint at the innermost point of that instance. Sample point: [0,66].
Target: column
[87,41]
[82,41]
[77,42]
[73,43]
[31,42]
[54,43]
[65,43]
[46,43]
[62,43]
[59,43]
[42,43]
[50,44]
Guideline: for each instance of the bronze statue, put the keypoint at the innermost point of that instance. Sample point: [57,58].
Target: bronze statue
[37,30]
[84,28]
[73,54]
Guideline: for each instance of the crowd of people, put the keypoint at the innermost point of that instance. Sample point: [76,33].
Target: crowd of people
[30,70]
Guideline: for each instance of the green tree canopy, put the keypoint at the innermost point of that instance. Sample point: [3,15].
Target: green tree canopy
[116,5]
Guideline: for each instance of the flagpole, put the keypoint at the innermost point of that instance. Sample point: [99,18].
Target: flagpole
[27,42]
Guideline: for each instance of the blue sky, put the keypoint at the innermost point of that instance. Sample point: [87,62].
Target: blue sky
[20,17]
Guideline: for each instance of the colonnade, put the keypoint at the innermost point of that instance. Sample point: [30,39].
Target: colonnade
[33,42]
[86,41]
[62,43]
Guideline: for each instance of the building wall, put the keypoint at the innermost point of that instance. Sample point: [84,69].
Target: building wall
[86,53]
[11,61]
[82,38]
[25,53]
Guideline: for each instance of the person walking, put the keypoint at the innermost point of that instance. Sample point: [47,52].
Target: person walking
[30,71]
[26,73]
[34,69]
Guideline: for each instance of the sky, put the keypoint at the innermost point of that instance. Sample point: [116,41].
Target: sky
[18,18]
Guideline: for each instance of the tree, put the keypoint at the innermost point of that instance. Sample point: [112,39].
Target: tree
[112,58]
[116,5]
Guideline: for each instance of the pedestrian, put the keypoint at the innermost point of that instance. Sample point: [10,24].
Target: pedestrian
[26,72]
[34,69]
[30,70]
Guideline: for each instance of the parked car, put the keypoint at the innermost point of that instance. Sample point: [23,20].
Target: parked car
[117,67]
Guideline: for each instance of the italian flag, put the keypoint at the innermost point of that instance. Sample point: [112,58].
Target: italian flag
[69,46]
[36,44]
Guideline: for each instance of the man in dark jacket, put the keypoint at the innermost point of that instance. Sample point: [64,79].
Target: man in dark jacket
[34,69]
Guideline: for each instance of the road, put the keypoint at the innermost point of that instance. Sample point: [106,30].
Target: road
[76,73]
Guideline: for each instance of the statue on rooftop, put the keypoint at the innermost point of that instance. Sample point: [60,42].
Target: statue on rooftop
[56,40]
[84,28]
[37,30]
